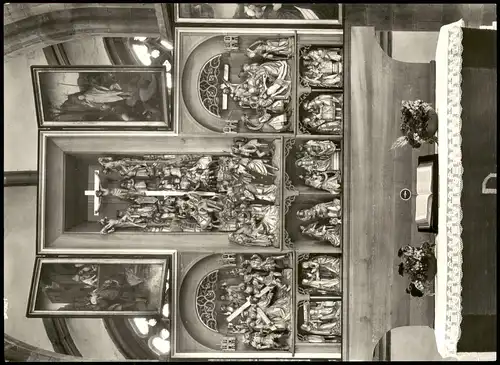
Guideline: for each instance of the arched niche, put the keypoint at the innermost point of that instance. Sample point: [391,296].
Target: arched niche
[196,49]
[193,327]
[197,63]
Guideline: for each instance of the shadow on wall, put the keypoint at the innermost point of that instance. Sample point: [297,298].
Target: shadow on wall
[408,343]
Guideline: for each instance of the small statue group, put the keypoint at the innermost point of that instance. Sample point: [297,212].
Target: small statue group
[260,306]
[330,231]
[322,274]
[271,49]
[252,148]
[198,193]
[257,225]
[317,159]
[174,172]
[322,321]
[265,86]
[325,114]
[186,213]
[323,68]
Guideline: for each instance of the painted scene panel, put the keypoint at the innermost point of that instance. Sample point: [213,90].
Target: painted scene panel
[93,287]
[102,95]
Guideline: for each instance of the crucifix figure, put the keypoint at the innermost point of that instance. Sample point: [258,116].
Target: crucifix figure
[139,197]
[97,199]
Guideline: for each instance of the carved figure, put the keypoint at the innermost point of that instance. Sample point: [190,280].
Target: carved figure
[326,264]
[260,341]
[331,209]
[110,225]
[324,329]
[279,123]
[244,164]
[257,263]
[326,114]
[323,232]
[252,192]
[251,148]
[251,236]
[328,181]
[329,285]
[318,149]
[323,68]
[314,165]
[278,49]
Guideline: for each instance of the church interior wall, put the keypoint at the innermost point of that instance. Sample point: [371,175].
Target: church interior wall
[92,339]
[87,51]
[20,125]
[19,259]
[414,47]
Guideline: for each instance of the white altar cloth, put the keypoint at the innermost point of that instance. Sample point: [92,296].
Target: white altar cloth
[448,288]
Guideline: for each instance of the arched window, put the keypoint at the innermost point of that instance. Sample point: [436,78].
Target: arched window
[143,51]
[153,52]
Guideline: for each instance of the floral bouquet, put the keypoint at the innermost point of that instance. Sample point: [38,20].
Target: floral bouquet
[418,125]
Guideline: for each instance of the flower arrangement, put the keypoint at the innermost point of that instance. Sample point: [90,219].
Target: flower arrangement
[418,124]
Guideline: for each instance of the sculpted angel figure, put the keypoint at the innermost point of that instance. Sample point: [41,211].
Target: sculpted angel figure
[318,149]
[331,209]
[328,181]
[323,232]
[278,49]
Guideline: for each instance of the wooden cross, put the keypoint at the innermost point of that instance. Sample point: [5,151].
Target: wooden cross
[264,291]
[265,318]
[226,78]
[238,311]
[97,187]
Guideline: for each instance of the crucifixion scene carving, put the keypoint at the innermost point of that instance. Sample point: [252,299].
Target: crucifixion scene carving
[236,192]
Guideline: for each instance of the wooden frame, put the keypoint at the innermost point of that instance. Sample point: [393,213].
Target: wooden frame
[182,112]
[54,146]
[83,112]
[179,18]
[36,299]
